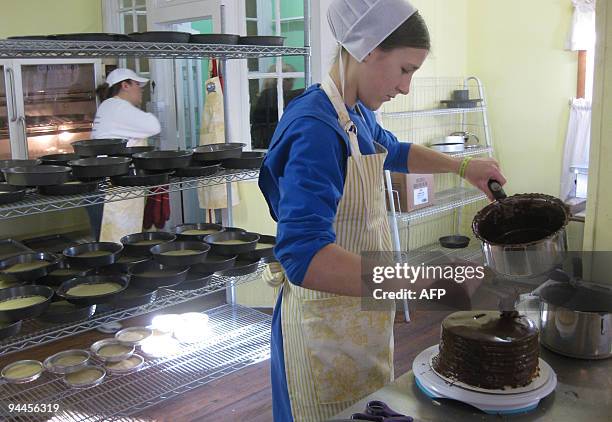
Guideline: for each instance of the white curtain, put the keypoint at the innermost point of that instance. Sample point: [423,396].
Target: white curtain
[582,31]
[577,141]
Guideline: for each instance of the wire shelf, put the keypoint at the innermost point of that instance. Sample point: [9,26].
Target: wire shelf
[430,112]
[84,49]
[239,337]
[35,333]
[472,151]
[445,201]
[35,203]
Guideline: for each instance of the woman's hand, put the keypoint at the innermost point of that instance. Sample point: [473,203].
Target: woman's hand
[480,170]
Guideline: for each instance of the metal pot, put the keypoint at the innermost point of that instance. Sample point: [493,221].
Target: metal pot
[523,235]
[574,320]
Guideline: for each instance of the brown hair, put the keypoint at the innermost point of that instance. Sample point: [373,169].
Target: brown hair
[104,91]
[412,33]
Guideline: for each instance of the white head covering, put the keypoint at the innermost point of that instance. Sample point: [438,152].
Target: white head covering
[361,25]
[122,74]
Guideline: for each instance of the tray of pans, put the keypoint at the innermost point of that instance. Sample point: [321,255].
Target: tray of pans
[93,289]
[214,38]
[137,177]
[95,254]
[160,36]
[10,193]
[11,247]
[214,153]
[37,175]
[162,160]
[29,266]
[59,159]
[262,40]
[23,302]
[129,151]
[94,147]
[4,164]
[54,243]
[248,160]
[195,170]
[151,275]
[71,187]
[97,167]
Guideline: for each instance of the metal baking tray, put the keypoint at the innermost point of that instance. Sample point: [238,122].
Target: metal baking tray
[11,247]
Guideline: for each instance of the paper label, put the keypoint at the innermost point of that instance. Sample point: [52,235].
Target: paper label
[421,196]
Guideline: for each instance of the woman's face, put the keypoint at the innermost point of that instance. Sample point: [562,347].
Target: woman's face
[133,91]
[384,74]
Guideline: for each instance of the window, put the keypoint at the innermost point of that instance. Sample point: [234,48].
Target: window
[273,82]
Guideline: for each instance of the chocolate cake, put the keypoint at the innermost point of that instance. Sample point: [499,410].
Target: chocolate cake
[488,349]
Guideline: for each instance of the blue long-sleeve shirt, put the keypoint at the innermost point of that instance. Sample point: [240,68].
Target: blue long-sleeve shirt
[302,176]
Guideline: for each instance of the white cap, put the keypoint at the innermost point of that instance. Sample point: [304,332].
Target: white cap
[122,74]
[361,25]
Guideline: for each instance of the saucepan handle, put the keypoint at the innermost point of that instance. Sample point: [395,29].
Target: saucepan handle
[496,189]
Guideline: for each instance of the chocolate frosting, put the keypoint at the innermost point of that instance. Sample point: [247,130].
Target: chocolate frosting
[488,349]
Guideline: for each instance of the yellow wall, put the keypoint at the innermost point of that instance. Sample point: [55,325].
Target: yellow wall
[32,17]
[517,49]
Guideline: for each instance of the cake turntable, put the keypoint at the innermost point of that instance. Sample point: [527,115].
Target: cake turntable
[502,402]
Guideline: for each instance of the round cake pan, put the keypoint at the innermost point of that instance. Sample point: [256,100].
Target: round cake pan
[232,242]
[196,231]
[140,244]
[95,254]
[234,229]
[123,351]
[62,272]
[136,177]
[267,40]
[47,262]
[16,314]
[125,262]
[133,336]
[214,38]
[263,249]
[129,151]
[454,241]
[217,152]
[180,254]
[94,147]
[132,364]
[120,280]
[16,163]
[10,193]
[133,297]
[59,159]
[195,280]
[214,263]
[73,187]
[95,167]
[162,160]
[67,362]
[22,371]
[37,175]
[9,329]
[248,160]
[62,311]
[198,171]
[151,275]
[160,36]
[89,376]
[240,268]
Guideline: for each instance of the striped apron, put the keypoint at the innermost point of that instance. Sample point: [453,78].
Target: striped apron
[335,353]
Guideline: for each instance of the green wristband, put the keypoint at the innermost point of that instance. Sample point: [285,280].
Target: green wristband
[463,166]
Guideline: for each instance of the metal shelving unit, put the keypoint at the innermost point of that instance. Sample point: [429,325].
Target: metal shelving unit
[431,112]
[51,49]
[445,201]
[35,333]
[35,203]
[239,337]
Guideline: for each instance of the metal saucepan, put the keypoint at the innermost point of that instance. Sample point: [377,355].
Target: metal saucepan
[522,235]
[575,317]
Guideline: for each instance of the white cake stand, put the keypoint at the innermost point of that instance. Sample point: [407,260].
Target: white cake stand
[503,404]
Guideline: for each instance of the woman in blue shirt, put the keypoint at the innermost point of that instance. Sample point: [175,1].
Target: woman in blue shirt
[323,181]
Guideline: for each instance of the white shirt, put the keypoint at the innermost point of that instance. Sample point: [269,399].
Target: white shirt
[118,118]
